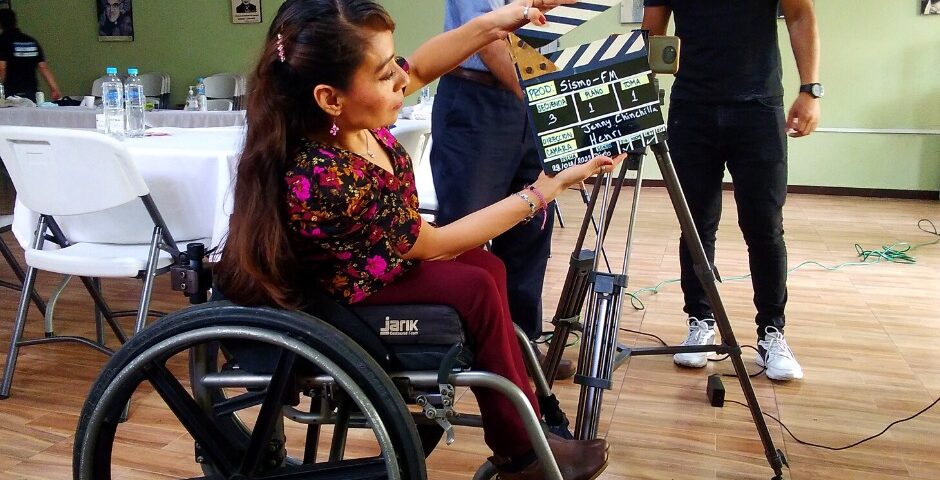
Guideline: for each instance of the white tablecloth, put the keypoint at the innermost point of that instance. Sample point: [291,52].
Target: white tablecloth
[190,174]
[84,117]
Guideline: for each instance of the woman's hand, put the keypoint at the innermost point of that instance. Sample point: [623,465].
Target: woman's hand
[579,173]
[521,12]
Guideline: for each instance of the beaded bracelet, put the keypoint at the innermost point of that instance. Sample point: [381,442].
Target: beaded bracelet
[543,204]
[533,209]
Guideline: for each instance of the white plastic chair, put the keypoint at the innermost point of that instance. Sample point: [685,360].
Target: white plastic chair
[156,87]
[424,181]
[96,86]
[153,84]
[62,172]
[220,86]
[219,105]
[412,135]
[6,222]
[227,85]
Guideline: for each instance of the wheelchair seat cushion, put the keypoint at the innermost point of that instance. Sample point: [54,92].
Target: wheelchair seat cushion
[417,336]
[398,337]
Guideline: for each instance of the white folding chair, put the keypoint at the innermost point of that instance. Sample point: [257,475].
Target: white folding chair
[412,135]
[96,86]
[6,222]
[220,85]
[424,181]
[219,105]
[156,87]
[68,173]
[240,88]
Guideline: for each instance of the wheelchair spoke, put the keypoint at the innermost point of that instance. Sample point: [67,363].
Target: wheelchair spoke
[241,402]
[211,440]
[270,412]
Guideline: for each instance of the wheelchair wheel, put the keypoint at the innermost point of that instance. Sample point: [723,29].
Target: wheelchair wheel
[246,437]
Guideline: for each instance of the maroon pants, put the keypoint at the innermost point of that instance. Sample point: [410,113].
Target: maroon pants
[474,284]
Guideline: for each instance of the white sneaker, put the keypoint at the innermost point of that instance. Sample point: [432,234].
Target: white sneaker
[775,355]
[700,333]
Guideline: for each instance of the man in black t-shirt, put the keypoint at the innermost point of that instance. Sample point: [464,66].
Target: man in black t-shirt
[726,107]
[20,57]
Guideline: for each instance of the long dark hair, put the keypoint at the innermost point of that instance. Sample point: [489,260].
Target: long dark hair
[321,43]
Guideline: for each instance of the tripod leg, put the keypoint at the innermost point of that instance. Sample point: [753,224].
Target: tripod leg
[706,276]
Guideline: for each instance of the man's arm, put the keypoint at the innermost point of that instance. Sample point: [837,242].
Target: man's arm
[497,58]
[656,19]
[50,79]
[804,38]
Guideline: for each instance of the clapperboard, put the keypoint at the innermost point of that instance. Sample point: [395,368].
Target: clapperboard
[589,100]
[562,20]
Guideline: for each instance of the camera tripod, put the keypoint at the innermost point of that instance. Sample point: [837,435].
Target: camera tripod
[600,353]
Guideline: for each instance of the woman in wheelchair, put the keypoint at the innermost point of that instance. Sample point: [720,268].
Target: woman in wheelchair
[325,197]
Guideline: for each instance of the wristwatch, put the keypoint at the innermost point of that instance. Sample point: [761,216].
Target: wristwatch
[816,90]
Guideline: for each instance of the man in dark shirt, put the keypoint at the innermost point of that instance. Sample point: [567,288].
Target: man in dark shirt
[20,57]
[726,107]
[246,7]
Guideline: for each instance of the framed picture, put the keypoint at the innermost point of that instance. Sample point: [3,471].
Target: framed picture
[930,7]
[631,11]
[4,4]
[115,21]
[246,11]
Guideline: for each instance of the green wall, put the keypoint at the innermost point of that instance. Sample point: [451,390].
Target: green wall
[880,65]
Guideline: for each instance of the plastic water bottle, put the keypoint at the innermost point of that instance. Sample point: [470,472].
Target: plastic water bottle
[192,102]
[112,93]
[135,100]
[201,94]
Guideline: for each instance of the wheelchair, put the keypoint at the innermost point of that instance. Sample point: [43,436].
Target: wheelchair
[329,393]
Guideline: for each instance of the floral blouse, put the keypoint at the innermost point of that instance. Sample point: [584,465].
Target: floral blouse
[350,221]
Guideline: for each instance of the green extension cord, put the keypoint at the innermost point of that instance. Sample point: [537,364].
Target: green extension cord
[898,252]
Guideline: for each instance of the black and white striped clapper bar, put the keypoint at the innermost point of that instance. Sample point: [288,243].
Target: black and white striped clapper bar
[562,20]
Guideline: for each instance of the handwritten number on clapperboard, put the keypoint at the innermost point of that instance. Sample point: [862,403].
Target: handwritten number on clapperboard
[552,119]
[633,92]
[591,107]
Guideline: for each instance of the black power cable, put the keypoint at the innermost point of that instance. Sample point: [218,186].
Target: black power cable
[846,447]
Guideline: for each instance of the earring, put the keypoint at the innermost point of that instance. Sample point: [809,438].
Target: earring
[334,129]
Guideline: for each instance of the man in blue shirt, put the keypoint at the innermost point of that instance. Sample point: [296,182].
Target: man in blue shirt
[482,152]
[726,107]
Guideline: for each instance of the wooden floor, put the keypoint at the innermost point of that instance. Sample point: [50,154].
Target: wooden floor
[867,338]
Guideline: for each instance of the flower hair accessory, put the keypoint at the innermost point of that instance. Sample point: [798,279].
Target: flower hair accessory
[280,47]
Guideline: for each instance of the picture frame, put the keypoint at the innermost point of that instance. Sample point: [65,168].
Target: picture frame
[930,7]
[246,11]
[5,4]
[115,20]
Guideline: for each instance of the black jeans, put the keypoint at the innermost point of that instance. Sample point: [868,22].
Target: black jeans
[750,138]
[483,151]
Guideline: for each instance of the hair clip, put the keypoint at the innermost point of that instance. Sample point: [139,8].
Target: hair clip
[280,47]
